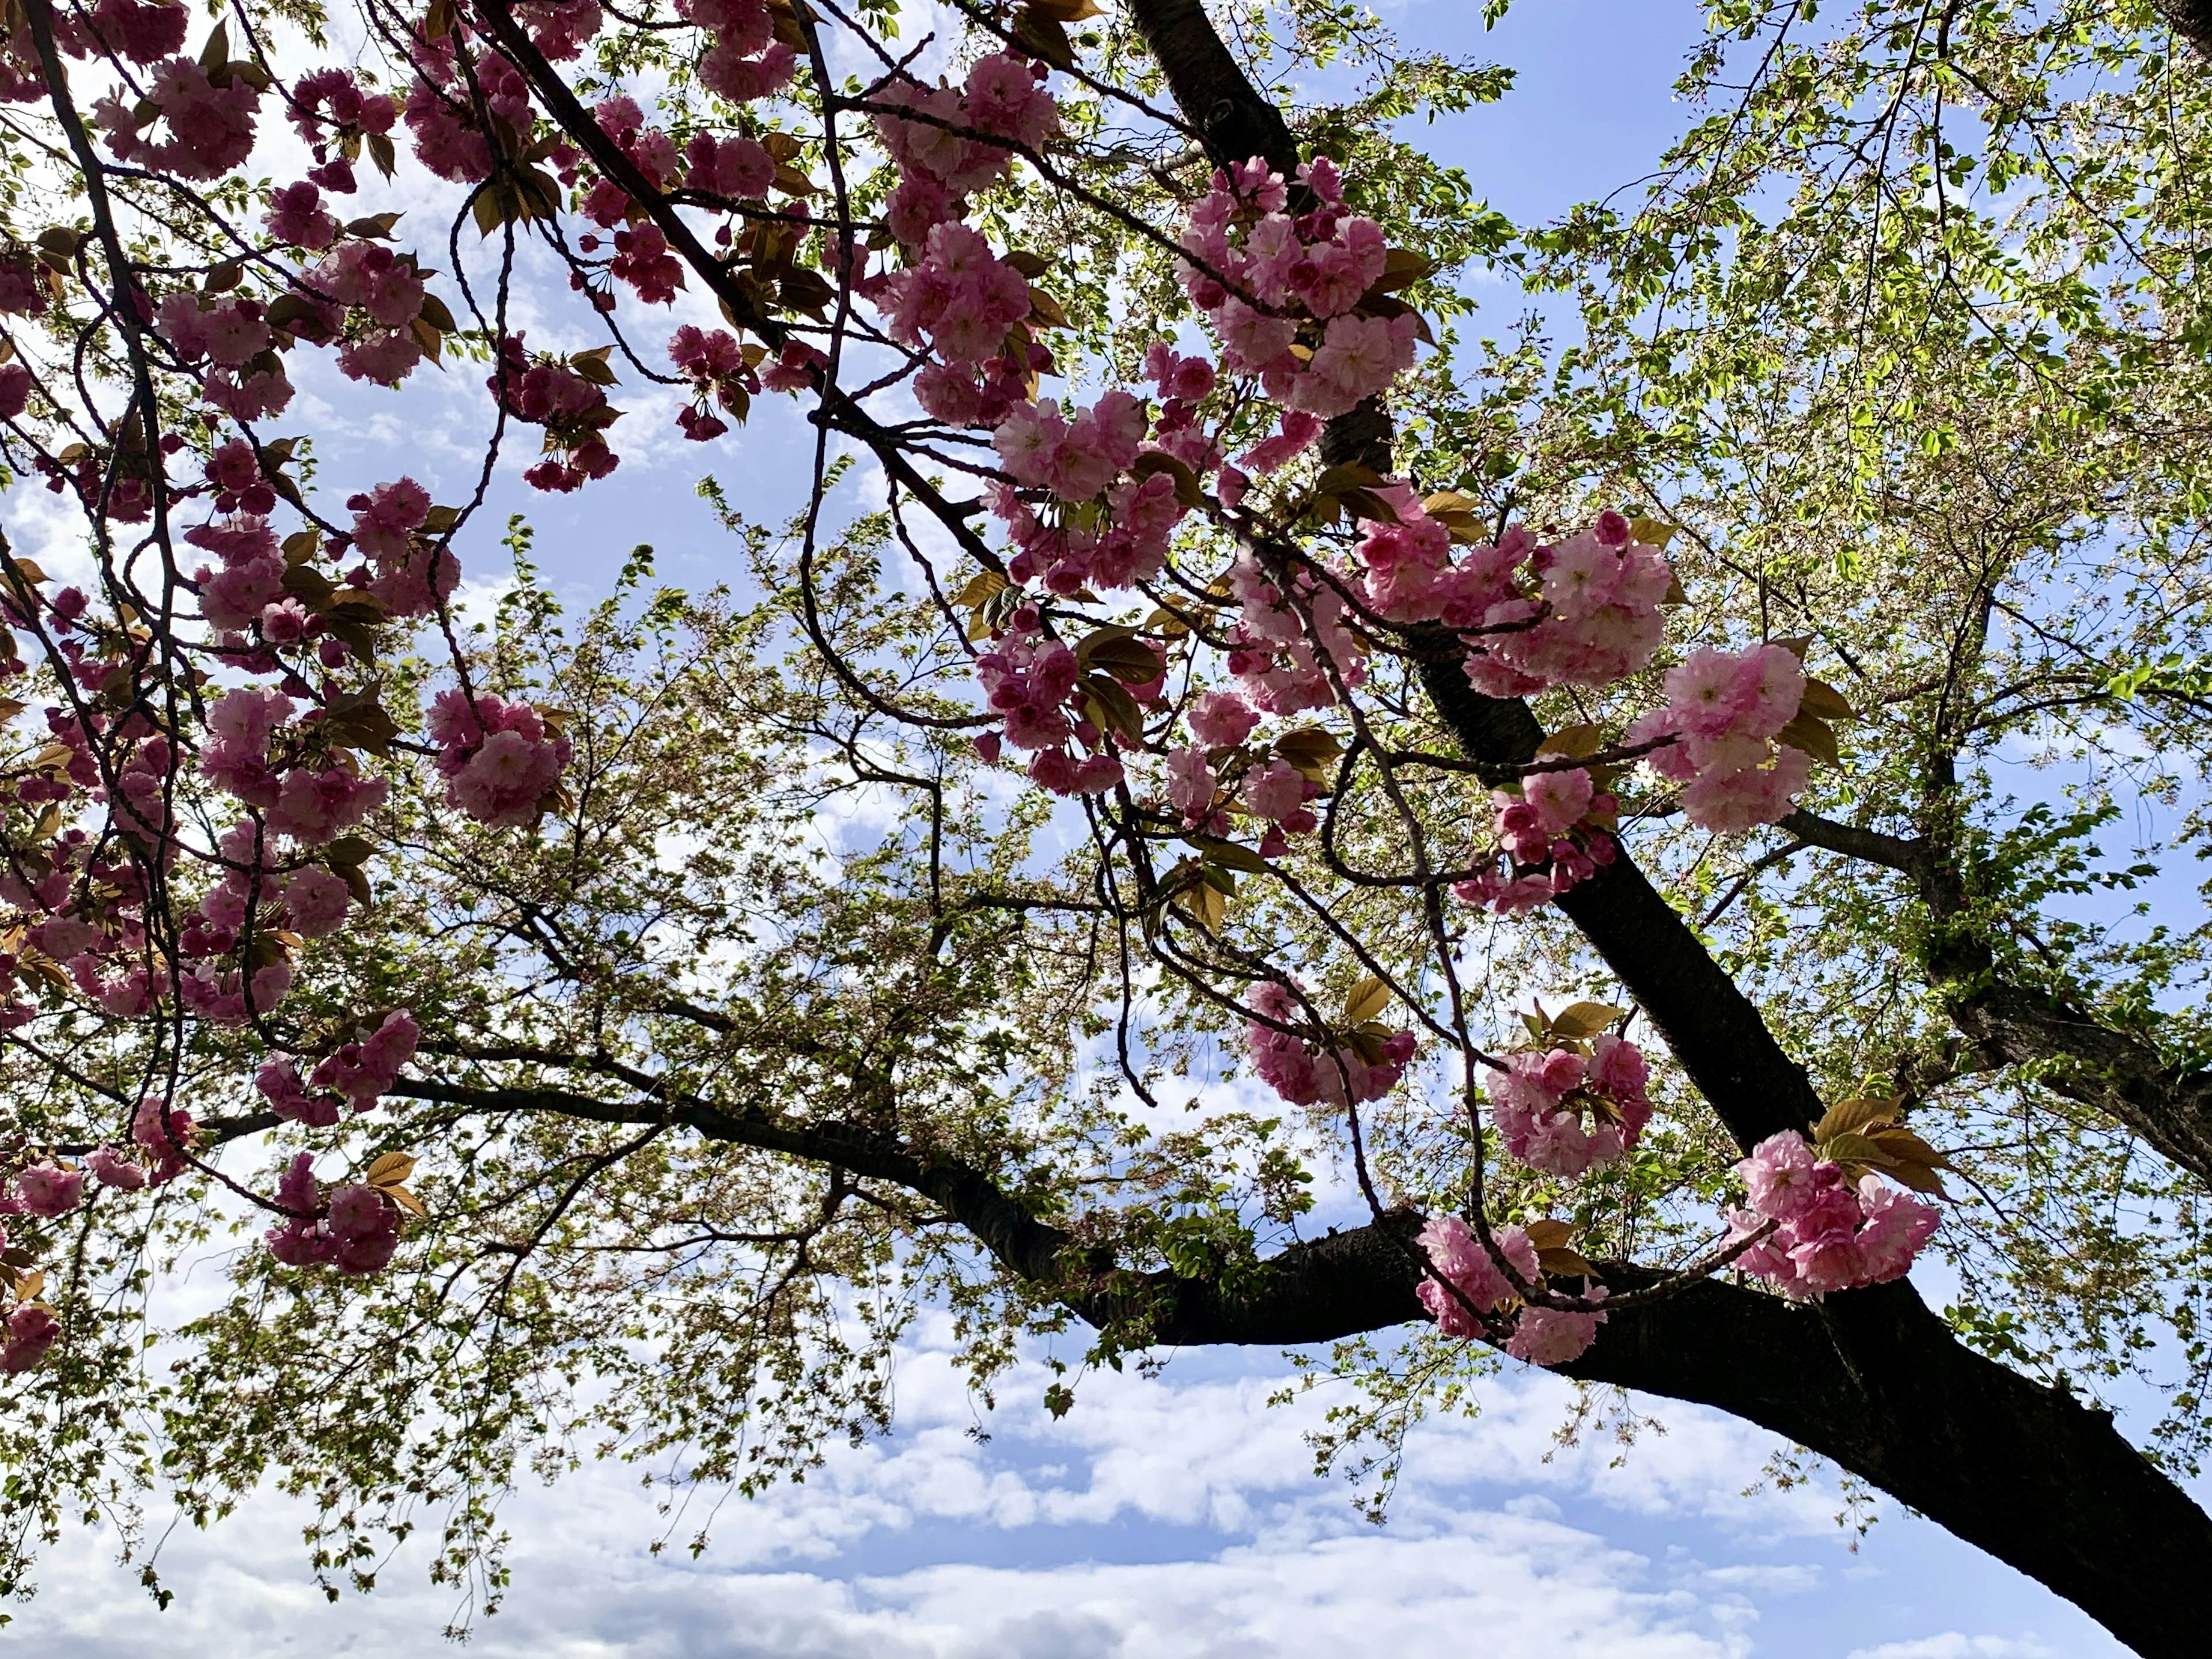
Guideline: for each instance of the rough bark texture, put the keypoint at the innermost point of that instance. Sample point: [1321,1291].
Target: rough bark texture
[2116,1072]
[1235,120]
[2191,20]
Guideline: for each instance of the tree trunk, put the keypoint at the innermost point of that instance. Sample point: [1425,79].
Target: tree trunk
[2192,19]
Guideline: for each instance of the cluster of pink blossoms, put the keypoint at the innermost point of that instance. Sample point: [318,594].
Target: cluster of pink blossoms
[210,119]
[1832,1236]
[1274,792]
[141,32]
[355,1074]
[162,1138]
[312,802]
[1592,617]
[32,1329]
[724,372]
[574,412]
[966,306]
[500,761]
[1563,1112]
[1716,736]
[245,377]
[1290,632]
[413,574]
[386,295]
[1093,498]
[746,61]
[1553,836]
[1257,271]
[1724,711]
[1030,681]
[355,1230]
[1220,721]
[1003,97]
[1541,1336]
[440,114]
[1305,1073]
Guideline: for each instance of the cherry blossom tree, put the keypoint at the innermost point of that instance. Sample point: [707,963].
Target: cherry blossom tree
[1251,688]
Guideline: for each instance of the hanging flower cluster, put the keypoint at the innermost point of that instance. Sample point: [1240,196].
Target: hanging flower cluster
[1823,1223]
[1469,1276]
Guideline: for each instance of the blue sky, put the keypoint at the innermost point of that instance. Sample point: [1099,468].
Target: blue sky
[1170,1516]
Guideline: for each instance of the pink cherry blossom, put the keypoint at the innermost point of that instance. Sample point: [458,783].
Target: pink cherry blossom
[279,1083]
[1830,1235]
[737,167]
[498,757]
[111,1166]
[1222,720]
[49,1190]
[1305,1074]
[211,128]
[32,1329]
[1190,782]
[1558,799]
[296,215]
[165,1134]
[1554,1336]
[1275,790]
[1458,1254]
[316,901]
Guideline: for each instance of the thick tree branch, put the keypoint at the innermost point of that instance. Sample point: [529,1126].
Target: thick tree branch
[1236,120]
[1877,1382]
[2076,1055]
[1709,1024]
[1872,1379]
[2084,1060]
[1867,845]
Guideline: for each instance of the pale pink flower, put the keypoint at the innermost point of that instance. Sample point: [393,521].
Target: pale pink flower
[1558,798]
[1275,791]
[1222,720]
[1779,1174]
[111,1166]
[1190,782]
[317,902]
[32,1330]
[49,1190]
[1553,1336]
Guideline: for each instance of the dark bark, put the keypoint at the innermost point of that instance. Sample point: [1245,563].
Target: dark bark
[2191,20]
[2086,1060]
[1233,119]
[1871,1380]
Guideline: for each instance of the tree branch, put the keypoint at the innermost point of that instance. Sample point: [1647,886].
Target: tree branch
[2078,1056]
[1867,845]
[1709,1024]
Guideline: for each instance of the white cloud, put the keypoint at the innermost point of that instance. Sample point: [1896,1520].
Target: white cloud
[584,1588]
[1952,1645]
